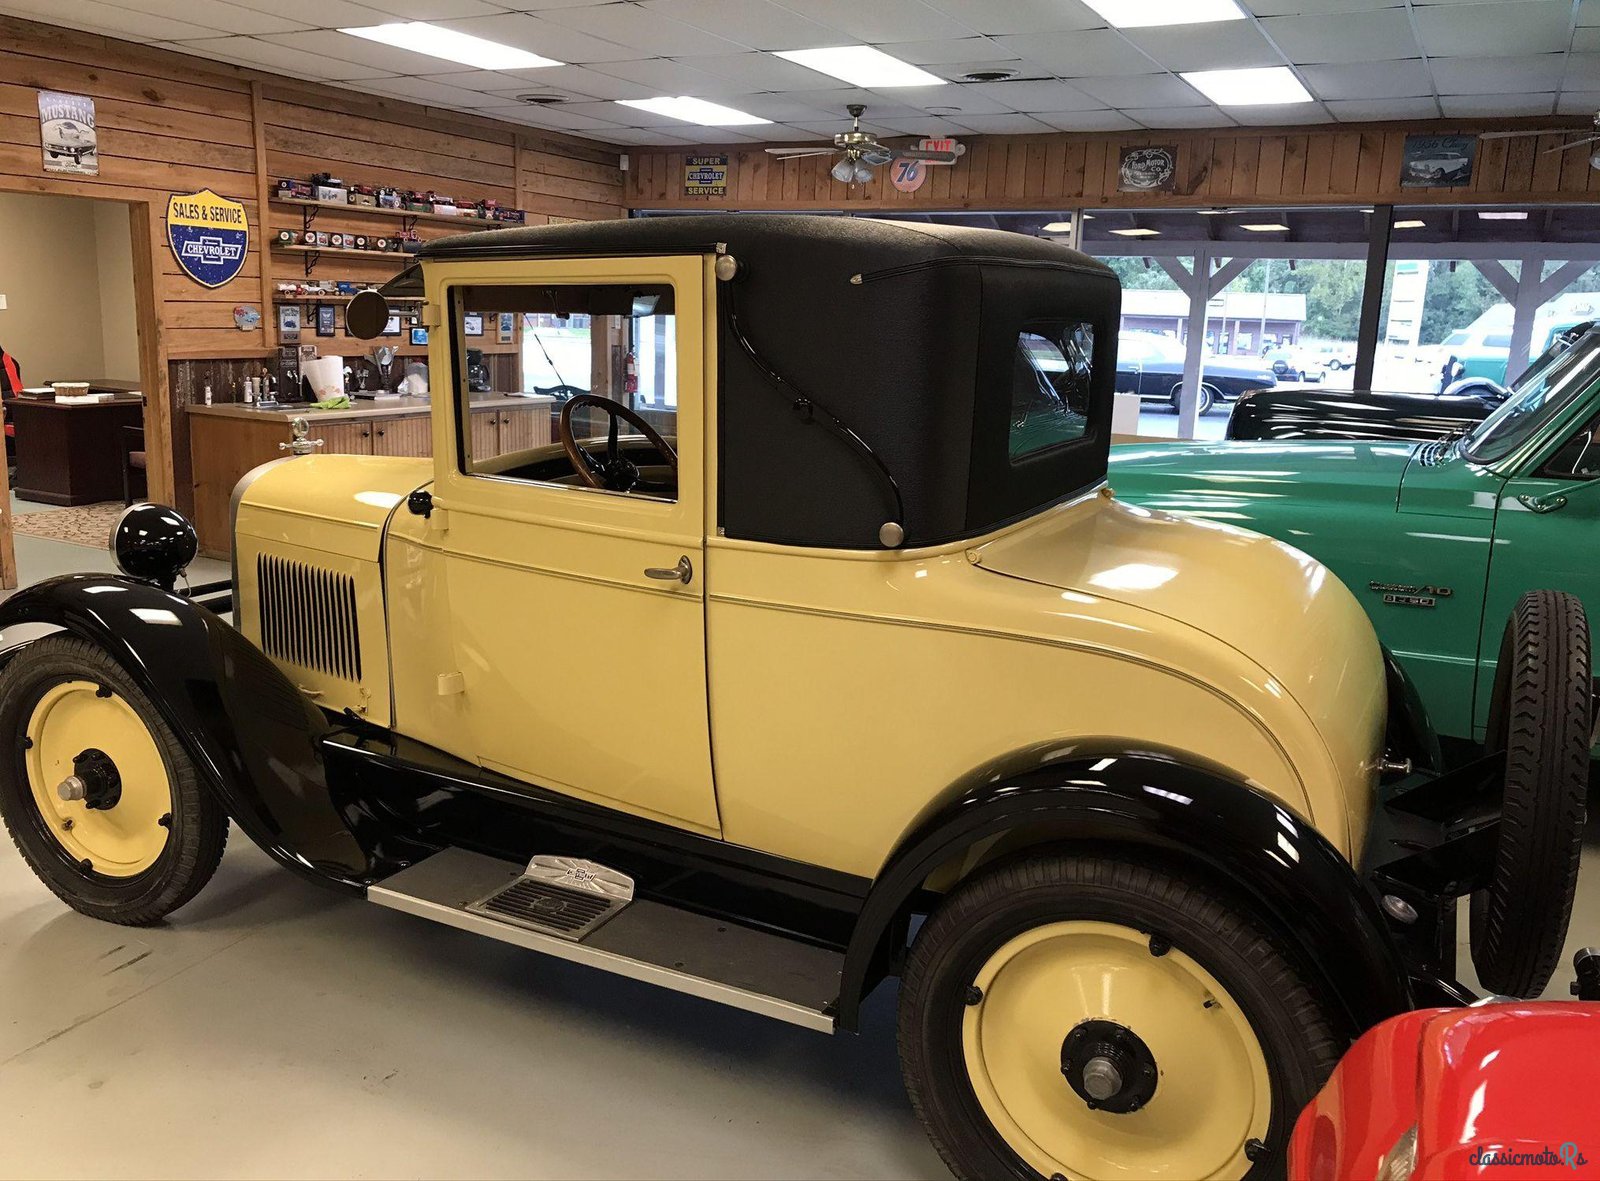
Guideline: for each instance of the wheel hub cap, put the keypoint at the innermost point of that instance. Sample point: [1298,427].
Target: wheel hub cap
[1109,1067]
[98,781]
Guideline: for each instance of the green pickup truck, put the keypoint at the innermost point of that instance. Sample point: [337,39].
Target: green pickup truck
[1437,538]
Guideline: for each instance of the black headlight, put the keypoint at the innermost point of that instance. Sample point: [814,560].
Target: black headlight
[153,543]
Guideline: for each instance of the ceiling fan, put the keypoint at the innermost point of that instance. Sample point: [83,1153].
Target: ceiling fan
[861,152]
[1566,147]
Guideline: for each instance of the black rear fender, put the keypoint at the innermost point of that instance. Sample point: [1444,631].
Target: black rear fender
[253,736]
[1195,820]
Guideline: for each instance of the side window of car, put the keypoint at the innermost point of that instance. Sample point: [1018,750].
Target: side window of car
[1579,457]
[571,384]
[1051,386]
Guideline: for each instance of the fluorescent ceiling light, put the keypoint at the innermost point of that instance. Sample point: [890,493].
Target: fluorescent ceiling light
[1058,227]
[1501,215]
[1410,225]
[1138,233]
[436,41]
[1270,227]
[1267,86]
[694,110]
[1140,14]
[861,65]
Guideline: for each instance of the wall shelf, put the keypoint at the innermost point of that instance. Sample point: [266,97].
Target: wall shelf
[311,208]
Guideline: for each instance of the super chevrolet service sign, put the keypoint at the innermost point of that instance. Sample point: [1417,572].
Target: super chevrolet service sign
[209,235]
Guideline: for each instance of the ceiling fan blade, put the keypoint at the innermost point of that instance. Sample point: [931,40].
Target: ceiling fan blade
[796,153]
[925,154]
[1522,134]
[1577,143]
[876,155]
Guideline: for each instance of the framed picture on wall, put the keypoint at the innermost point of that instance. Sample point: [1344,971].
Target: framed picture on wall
[472,323]
[419,336]
[508,325]
[289,323]
[391,326]
[327,323]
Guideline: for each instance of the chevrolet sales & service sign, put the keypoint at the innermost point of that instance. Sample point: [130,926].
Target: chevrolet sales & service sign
[209,236]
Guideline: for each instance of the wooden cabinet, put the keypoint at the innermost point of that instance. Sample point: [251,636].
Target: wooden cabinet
[524,427]
[412,435]
[344,438]
[485,434]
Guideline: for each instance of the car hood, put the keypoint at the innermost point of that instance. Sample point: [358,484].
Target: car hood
[336,503]
[1237,482]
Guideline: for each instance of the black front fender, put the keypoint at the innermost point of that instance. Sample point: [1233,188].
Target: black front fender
[1194,818]
[253,737]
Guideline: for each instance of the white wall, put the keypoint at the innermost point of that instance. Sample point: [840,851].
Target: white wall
[66,270]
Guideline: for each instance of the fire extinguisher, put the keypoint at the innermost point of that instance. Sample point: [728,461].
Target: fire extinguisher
[630,373]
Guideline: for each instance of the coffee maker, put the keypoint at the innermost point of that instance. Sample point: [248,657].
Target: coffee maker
[477,373]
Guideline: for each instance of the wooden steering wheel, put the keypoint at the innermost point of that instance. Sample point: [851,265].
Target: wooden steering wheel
[616,472]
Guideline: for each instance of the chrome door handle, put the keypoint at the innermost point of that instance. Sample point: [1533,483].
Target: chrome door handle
[682,572]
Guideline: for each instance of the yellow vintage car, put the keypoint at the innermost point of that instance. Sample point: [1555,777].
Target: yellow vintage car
[813,651]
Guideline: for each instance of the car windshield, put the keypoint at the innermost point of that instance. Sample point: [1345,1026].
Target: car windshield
[1541,394]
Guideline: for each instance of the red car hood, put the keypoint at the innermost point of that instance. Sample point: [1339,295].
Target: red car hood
[1505,1090]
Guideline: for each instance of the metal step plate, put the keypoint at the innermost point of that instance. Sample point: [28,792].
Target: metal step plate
[561,896]
[716,959]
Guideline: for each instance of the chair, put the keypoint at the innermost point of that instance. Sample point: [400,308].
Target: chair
[134,484]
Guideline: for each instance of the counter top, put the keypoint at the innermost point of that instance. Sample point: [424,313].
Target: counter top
[365,408]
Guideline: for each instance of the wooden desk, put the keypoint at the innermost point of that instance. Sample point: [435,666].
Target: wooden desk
[71,454]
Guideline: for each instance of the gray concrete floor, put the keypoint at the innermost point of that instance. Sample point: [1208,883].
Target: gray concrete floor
[275,1029]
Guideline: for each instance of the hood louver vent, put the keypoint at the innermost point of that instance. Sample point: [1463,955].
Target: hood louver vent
[308,617]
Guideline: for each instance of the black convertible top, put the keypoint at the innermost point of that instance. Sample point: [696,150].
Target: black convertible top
[906,333]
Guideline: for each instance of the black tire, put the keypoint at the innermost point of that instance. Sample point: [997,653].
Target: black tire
[1208,398]
[1289,1023]
[197,828]
[1540,715]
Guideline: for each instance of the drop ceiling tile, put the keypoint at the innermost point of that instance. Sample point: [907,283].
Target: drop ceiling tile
[640,137]
[1023,71]
[437,94]
[826,128]
[1043,95]
[1381,110]
[583,82]
[889,104]
[1010,124]
[1289,114]
[320,14]
[1585,40]
[762,71]
[542,5]
[640,28]
[1343,37]
[1483,30]
[1220,45]
[1086,120]
[106,18]
[1499,75]
[1316,7]
[1162,118]
[1146,90]
[222,17]
[546,38]
[759,24]
[1021,16]
[1588,13]
[1370,80]
[663,76]
[1578,102]
[1582,72]
[433,10]
[384,59]
[1467,106]
[783,108]
[567,117]
[881,21]
[265,54]
[956,50]
[1096,53]
[929,127]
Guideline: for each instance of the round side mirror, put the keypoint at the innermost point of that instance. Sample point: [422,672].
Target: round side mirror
[367,316]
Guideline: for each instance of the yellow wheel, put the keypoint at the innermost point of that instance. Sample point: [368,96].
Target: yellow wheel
[99,796]
[1083,1017]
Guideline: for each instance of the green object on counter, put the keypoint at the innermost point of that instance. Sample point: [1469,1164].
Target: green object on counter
[337,402]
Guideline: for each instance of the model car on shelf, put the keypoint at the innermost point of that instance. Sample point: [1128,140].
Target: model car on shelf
[784,652]
[1495,1090]
[1151,366]
[1363,414]
[1411,526]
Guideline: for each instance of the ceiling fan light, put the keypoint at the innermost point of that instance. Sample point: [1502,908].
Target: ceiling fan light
[863,174]
[843,171]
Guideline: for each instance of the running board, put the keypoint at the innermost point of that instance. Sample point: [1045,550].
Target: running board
[662,945]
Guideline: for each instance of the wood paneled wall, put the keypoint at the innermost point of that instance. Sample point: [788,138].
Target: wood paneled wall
[1304,166]
[169,123]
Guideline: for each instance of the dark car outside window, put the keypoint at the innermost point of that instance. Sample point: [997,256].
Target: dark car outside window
[1050,386]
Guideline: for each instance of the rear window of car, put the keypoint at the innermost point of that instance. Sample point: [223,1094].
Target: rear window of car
[1050,386]
[1500,340]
